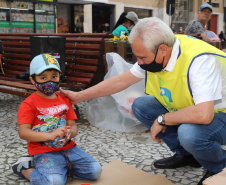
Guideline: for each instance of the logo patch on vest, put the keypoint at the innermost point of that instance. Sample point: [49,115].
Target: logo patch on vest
[165,93]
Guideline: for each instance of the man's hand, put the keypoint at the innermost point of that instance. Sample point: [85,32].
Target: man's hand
[70,94]
[155,129]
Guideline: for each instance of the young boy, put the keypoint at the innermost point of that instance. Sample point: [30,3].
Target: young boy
[46,120]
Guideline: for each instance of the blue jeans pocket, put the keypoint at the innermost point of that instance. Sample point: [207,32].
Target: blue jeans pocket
[47,163]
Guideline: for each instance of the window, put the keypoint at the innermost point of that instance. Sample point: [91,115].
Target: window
[44,18]
[181,14]
[22,17]
[215,5]
[4,17]
[27,16]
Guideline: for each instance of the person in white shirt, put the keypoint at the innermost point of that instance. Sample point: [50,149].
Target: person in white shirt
[186,83]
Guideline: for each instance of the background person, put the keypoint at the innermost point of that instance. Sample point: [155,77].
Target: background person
[180,31]
[221,36]
[47,120]
[197,26]
[173,28]
[125,23]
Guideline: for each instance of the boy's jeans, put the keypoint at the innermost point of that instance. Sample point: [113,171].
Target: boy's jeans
[202,141]
[51,168]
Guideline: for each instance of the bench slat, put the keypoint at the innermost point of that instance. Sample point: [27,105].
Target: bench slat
[13,79]
[81,60]
[76,79]
[83,39]
[74,85]
[79,74]
[15,92]
[82,46]
[15,38]
[18,85]
[15,43]
[82,52]
[81,67]
[17,56]
[17,62]
[12,72]
[20,50]
[104,35]
[15,68]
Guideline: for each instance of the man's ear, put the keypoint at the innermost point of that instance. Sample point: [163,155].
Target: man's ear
[163,49]
[31,79]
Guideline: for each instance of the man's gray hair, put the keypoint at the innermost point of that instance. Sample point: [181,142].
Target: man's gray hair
[153,32]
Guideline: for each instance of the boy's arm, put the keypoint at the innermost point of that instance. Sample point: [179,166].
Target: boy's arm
[28,134]
[73,128]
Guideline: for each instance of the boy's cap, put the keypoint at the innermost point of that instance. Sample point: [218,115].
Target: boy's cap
[132,16]
[43,62]
[206,6]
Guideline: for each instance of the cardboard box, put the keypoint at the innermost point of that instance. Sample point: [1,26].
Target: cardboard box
[218,179]
[119,173]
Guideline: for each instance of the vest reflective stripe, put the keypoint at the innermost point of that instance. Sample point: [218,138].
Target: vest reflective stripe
[172,89]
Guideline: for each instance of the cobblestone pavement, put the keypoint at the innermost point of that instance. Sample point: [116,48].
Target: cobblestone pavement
[136,149]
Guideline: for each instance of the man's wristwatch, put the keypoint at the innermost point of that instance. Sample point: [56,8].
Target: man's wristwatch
[161,120]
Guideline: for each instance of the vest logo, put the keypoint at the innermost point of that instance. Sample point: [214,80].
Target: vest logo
[165,93]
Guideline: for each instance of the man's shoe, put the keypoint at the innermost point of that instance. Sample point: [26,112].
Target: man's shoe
[177,161]
[208,174]
[23,163]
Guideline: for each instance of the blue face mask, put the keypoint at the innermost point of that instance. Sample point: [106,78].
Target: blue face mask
[47,88]
[153,66]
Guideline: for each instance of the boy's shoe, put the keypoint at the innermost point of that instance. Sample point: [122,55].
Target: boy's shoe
[23,163]
[25,158]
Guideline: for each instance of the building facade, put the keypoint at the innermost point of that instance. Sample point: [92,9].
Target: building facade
[75,16]
[101,15]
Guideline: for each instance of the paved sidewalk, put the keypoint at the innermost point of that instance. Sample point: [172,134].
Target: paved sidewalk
[136,149]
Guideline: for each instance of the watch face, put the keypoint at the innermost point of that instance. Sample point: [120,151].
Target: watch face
[160,119]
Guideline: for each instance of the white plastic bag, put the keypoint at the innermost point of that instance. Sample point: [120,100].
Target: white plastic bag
[114,112]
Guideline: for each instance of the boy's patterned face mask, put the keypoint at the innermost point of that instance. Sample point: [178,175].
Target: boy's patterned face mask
[48,88]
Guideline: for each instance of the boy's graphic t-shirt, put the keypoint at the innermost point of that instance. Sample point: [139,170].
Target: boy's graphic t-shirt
[46,115]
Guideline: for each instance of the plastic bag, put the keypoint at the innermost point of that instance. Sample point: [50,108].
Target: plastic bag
[114,112]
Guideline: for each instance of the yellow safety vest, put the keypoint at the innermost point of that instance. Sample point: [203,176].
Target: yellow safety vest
[172,89]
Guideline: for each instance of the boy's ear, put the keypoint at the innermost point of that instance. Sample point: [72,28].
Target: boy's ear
[31,79]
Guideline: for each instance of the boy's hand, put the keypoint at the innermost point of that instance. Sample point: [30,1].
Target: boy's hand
[59,132]
[68,136]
